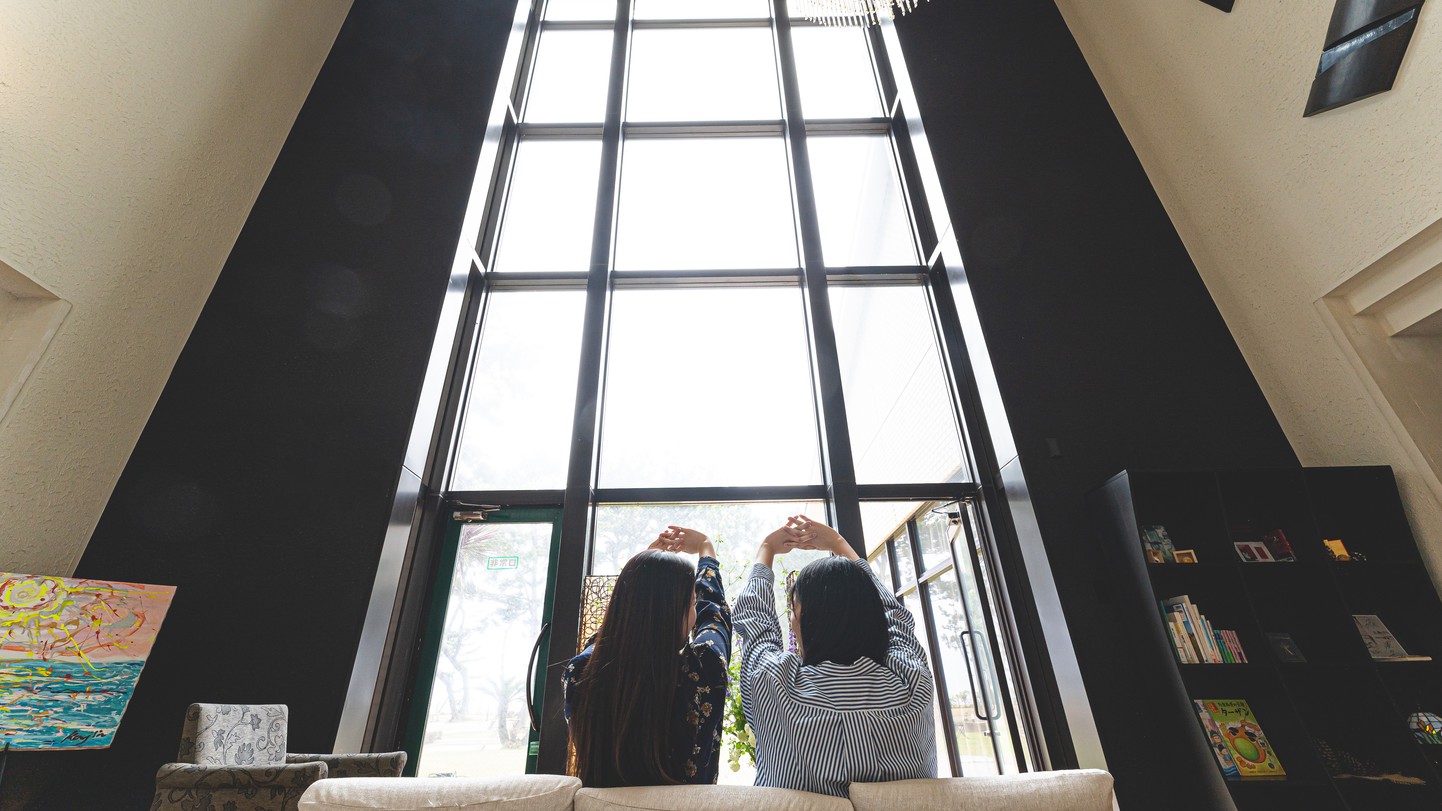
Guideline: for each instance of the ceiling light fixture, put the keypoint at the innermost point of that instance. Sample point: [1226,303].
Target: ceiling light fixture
[851,12]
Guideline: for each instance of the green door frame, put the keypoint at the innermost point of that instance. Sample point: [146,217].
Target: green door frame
[434,627]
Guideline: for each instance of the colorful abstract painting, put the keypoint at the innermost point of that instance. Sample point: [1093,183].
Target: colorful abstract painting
[71,652]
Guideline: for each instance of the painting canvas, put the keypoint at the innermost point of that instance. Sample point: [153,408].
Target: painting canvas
[71,651]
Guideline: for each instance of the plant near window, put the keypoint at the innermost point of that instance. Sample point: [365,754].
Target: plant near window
[736,734]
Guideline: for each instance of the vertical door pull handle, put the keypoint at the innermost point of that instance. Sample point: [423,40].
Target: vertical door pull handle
[973,664]
[979,647]
[531,677]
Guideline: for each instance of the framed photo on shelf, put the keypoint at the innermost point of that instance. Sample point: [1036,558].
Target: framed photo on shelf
[1284,648]
[1253,552]
[1184,556]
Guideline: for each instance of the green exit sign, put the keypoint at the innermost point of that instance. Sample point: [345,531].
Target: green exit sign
[503,562]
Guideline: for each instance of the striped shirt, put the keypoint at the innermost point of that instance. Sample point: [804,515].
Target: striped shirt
[821,727]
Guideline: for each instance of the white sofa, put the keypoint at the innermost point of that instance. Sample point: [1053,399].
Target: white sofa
[1085,790]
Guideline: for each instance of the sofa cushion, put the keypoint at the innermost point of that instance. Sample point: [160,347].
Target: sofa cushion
[529,792]
[705,798]
[1078,790]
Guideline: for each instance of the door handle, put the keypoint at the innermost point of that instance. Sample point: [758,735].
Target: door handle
[531,677]
[979,647]
[973,664]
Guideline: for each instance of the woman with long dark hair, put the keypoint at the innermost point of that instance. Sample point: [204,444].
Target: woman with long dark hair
[645,698]
[853,703]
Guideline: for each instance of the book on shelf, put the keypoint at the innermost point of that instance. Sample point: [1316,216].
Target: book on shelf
[1381,644]
[1194,639]
[1280,547]
[1158,545]
[1251,755]
[1217,742]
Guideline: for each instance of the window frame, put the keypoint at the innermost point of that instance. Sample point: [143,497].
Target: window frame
[839,490]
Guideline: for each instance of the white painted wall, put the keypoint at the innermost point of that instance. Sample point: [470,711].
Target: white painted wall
[1277,210]
[134,138]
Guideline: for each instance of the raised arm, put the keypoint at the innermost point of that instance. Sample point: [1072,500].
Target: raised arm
[756,622]
[900,625]
[712,629]
[713,616]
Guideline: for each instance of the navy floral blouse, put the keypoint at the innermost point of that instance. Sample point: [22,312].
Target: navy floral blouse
[701,692]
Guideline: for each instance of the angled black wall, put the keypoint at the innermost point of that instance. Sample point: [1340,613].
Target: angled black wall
[1102,334]
[262,482]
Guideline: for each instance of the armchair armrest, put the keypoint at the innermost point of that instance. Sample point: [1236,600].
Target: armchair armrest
[379,764]
[184,786]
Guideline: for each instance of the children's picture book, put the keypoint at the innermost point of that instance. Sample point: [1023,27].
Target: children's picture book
[1184,556]
[1285,649]
[1218,743]
[1381,644]
[1251,753]
[1158,545]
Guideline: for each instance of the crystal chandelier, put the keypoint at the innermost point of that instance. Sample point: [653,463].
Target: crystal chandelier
[850,12]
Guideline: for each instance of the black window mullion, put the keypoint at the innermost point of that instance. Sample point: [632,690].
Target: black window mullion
[707,495]
[576,515]
[838,466]
[1024,640]
[933,643]
[739,22]
[445,439]
[490,235]
[891,559]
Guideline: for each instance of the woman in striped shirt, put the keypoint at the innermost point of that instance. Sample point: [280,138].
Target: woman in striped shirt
[853,703]
[644,700]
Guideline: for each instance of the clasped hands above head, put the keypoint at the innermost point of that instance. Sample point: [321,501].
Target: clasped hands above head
[800,532]
[681,539]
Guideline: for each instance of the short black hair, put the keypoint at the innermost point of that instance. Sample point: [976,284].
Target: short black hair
[842,618]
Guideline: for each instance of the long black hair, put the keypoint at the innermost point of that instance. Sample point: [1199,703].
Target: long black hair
[623,718]
[842,618]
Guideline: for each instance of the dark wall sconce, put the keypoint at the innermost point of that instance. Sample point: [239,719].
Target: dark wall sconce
[1363,52]
[1224,5]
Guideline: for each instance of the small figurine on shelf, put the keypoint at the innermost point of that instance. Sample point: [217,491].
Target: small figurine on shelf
[1426,726]
[1276,541]
[1338,552]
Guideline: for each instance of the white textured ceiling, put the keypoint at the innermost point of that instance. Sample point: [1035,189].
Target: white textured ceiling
[134,138]
[1277,210]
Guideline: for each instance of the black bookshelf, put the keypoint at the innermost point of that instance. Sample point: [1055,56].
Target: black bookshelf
[1339,711]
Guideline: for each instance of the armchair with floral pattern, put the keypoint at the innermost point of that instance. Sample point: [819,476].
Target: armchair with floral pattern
[232,757]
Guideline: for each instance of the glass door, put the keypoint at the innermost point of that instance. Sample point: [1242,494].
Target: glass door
[950,592]
[479,692]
